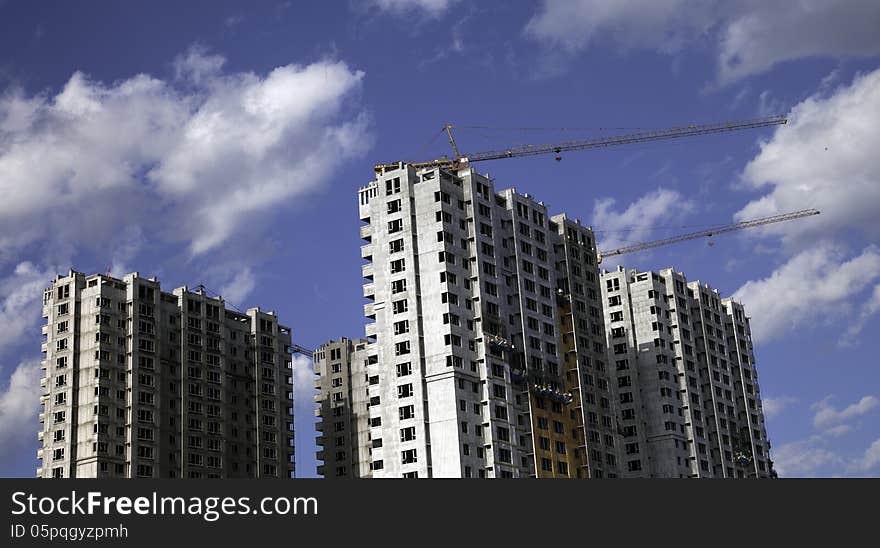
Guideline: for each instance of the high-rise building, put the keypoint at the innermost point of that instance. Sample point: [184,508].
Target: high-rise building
[686,379]
[344,423]
[586,377]
[494,348]
[464,361]
[140,382]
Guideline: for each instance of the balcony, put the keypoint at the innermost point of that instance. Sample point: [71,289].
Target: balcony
[319,455]
[367,252]
[366,271]
[369,311]
[319,440]
[367,233]
[40,435]
[370,291]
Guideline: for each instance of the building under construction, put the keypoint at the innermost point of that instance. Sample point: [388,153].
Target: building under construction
[495,347]
[686,381]
[143,383]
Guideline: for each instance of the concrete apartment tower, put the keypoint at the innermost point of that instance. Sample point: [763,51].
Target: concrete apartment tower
[495,348]
[142,383]
[344,421]
[593,411]
[686,379]
[465,373]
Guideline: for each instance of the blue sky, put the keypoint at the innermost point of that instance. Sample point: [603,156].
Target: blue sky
[223,143]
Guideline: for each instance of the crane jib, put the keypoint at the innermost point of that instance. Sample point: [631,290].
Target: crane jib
[596,142]
[711,232]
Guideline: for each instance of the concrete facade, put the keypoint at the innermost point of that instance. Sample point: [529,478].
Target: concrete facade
[464,365]
[686,379]
[344,422]
[142,383]
[438,407]
[587,374]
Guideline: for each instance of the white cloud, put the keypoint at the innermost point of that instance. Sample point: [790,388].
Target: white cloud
[73,154]
[303,381]
[16,111]
[820,278]
[804,458]
[748,36]
[196,65]
[826,158]
[766,33]
[769,105]
[432,7]
[814,457]
[20,294]
[187,160]
[19,406]
[774,406]
[239,287]
[257,142]
[662,24]
[233,20]
[128,244]
[839,430]
[304,411]
[869,460]
[828,416]
[868,310]
[621,228]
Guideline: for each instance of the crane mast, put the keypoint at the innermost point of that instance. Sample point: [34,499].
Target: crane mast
[708,233]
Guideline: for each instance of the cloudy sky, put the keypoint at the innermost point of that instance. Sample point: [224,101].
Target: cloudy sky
[223,143]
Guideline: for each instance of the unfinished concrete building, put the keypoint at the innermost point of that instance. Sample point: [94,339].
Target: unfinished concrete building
[343,426]
[686,379]
[464,362]
[494,348]
[142,383]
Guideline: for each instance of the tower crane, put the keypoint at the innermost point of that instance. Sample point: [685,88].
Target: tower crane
[709,233]
[462,160]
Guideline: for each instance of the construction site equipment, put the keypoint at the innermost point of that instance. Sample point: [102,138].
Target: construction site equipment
[459,160]
[297,349]
[709,233]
